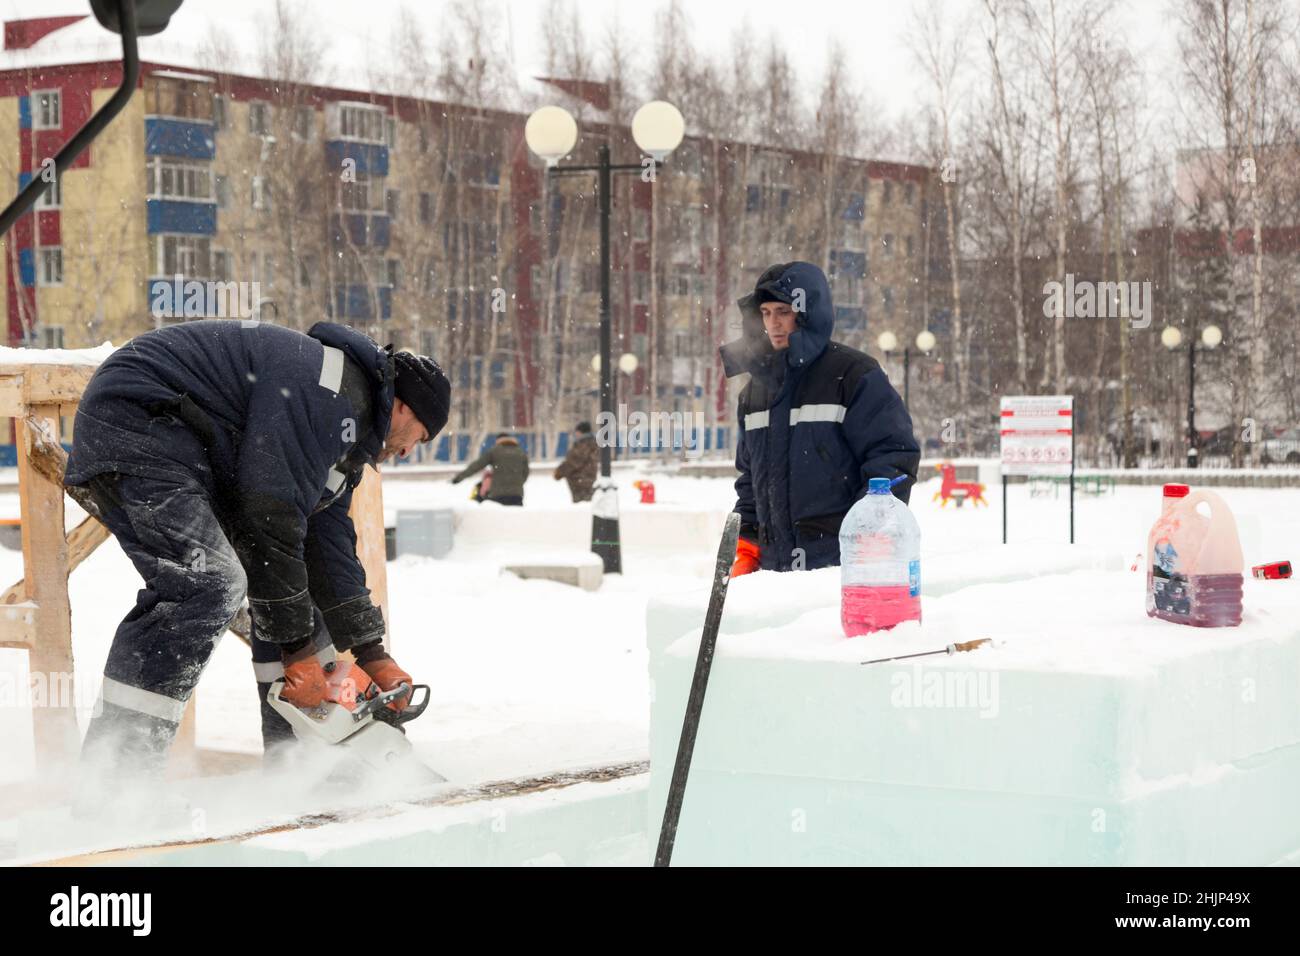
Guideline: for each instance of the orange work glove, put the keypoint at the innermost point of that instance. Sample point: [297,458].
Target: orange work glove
[304,679]
[348,683]
[746,558]
[383,670]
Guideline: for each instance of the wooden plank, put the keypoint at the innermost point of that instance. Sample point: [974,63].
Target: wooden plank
[11,396]
[18,625]
[368,519]
[45,559]
[49,383]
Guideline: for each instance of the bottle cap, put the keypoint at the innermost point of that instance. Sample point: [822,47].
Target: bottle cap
[1176,491]
[877,486]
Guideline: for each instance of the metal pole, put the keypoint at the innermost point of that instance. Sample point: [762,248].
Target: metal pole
[604,519]
[1193,454]
[907,376]
[1072,431]
[1004,507]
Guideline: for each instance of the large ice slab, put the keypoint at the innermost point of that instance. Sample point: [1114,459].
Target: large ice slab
[586,824]
[1088,734]
[754,604]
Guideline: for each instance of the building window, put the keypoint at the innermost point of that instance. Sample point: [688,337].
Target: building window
[908,243]
[189,256]
[306,268]
[426,208]
[429,275]
[220,112]
[909,192]
[889,193]
[362,195]
[390,132]
[680,283]
[888,243]
[683,345]
[221,265]
[304,122]
[887,298]
[47,109]
[50,261]
[221,187]
[640,287]
[390,202]
[365,123]
[424,139]
[261,193]
[179,96]
[48,337]
[52,198]
[259,118]
[168,179]
[393,272]
[641,225]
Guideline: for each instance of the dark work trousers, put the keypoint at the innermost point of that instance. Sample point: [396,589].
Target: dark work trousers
[515,500]
[193,585]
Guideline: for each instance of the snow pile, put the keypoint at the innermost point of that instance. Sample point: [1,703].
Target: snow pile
[92,357]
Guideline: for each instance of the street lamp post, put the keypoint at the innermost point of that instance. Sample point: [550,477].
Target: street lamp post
[925,341]
[1211,336]
[551,133]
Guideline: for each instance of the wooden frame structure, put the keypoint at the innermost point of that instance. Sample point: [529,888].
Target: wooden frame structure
[36,613]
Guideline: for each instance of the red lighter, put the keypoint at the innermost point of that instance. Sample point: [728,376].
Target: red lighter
[1274,571]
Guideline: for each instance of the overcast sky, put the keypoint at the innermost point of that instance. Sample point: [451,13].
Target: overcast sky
[872,32]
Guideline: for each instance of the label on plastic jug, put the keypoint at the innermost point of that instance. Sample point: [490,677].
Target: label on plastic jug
[914,577]
[1169,591]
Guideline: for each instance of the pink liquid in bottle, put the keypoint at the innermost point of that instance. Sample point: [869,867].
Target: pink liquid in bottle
[1194,563]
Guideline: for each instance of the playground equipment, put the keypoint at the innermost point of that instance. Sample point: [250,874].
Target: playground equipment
[953,490]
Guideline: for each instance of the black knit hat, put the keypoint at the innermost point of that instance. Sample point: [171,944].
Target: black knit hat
[422,384]
[583,428]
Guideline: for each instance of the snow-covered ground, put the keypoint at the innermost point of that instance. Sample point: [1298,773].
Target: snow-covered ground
[530,676]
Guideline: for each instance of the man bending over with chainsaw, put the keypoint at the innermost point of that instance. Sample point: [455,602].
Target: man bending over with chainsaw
[223,455]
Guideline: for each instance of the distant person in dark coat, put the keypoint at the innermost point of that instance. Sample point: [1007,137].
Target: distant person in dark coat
[581,464]
[816,420]
[509,464]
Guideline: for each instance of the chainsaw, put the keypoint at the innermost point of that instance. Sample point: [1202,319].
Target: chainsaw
[364,725]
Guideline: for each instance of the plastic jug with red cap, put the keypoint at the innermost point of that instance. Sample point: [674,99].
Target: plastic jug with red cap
[1194,564]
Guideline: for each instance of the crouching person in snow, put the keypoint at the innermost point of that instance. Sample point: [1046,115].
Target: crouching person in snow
[509,464]
[816,420]
[223,456]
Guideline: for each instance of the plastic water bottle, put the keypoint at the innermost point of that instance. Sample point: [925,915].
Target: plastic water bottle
[1194,563]
[880,563]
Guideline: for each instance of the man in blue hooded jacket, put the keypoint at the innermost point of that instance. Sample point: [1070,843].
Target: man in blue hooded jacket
[816,420]
[222,455]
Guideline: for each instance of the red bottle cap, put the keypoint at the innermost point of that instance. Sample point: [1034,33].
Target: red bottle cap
[1176,491]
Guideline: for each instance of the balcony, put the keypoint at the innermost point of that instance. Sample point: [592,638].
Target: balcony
[371,159]
[192,139]
[185,216]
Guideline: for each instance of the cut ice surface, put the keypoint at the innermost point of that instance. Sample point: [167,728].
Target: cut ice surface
[1089,734]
